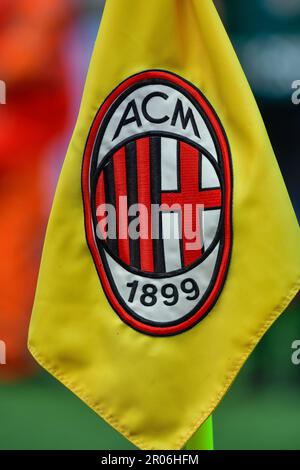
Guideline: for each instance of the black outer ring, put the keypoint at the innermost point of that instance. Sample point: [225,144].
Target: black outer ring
[216,142]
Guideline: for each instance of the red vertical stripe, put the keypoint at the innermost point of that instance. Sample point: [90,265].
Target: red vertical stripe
[189,182]
[144,198]
[100,199]
[119,162]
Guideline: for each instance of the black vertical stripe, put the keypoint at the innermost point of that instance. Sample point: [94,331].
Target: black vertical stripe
[110,198]
[155,158]
[132,198]
[200,171]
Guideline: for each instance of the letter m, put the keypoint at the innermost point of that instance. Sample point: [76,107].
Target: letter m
[184,118]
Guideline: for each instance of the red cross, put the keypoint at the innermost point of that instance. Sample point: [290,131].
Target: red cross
[191,194]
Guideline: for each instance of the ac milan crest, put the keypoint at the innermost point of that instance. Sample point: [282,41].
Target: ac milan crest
[157,191]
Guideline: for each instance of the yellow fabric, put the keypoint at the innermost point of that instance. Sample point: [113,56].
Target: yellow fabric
[158,391]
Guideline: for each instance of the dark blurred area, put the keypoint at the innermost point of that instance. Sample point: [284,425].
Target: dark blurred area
[261,410]
[44,73]
[266,37]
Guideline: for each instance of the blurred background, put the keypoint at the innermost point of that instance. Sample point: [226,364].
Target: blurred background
[45,73]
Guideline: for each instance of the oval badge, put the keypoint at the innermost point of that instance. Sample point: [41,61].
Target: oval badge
[157,191]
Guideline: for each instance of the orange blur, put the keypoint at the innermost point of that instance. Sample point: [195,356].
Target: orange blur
[35,114]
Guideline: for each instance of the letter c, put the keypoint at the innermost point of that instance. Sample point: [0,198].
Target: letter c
[144,107]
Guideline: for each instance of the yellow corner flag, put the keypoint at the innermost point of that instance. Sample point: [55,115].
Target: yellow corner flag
[172,245]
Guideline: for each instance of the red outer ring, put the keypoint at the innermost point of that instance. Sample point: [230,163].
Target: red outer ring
[138,325]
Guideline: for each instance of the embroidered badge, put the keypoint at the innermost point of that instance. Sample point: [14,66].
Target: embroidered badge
[157,191]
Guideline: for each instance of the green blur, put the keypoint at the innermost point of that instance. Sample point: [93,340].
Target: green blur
[260,411]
